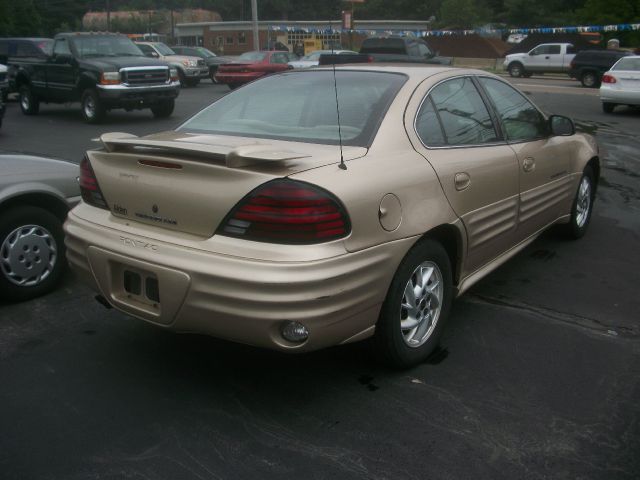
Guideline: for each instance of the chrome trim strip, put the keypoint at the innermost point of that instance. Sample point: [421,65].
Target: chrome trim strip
[158,67]
[125,87]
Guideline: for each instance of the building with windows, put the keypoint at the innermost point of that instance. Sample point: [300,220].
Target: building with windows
[235,38]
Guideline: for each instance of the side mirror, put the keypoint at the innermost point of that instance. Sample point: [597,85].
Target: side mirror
[532,53]
[561,126]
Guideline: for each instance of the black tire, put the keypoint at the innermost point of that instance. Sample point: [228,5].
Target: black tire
[527,75]
[233,86]
[93,110]
[515,69]
[212,74]
[192,82]
[163,109]
[182,77]
[582,206]
[590,80]
[20,257]
[390,343]
[608,107]
[29,103]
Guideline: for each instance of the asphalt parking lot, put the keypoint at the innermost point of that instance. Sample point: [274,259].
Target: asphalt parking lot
[538,374]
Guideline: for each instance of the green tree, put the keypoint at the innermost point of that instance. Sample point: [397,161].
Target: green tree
[459,14]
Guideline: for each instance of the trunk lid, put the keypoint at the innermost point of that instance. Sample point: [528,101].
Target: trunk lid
[189,182]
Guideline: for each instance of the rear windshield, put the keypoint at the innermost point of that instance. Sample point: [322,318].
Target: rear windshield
[628,64]
[280,107]
[390,46]
[252,57]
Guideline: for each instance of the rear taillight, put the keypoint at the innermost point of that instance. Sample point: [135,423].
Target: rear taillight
[89,188]
[608,79]
[287,211]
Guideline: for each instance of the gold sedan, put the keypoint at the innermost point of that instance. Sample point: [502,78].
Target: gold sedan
[269,219]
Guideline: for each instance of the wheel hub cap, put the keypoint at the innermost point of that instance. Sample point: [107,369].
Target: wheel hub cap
[421,304]
[89,107]
[28,255]
[583,203]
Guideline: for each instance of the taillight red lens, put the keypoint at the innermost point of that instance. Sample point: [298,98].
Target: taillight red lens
[287,211]
[89,188]
[608,79]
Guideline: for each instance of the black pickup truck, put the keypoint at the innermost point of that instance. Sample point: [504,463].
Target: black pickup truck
[401,49]
[101,70]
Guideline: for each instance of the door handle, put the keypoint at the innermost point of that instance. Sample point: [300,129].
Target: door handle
[462,180]
[529,164]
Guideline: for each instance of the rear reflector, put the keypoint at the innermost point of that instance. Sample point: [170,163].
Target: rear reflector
[89,188]
[287,211]
[608,79]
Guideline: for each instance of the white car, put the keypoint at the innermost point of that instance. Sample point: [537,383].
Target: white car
[313,58]
[621,84]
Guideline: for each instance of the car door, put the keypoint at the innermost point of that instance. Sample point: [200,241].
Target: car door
[61,71]
[545,183]
[478,171]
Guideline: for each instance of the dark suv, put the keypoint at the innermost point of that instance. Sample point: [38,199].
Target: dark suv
[588,66]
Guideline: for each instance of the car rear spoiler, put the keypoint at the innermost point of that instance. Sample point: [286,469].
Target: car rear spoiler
[233,157]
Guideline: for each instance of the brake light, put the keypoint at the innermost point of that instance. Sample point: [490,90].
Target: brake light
[608,79]
[89,188]
[287,211]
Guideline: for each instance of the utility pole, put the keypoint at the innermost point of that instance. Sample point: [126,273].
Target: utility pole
[254,24]
[108,16]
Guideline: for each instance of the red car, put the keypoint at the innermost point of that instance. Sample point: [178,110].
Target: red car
[252,65]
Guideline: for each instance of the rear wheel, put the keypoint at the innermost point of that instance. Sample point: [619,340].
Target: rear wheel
[589,80]
[516,69]
[416,308]
[233,86]
[29,103]
[93,110]
[163,109]
[608,107]
[32,254]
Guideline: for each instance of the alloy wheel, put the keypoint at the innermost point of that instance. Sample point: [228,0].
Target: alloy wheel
[421,304]
[28,255]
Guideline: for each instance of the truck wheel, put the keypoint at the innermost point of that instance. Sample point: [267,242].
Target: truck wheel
[183,78]
[212,75]
[192,82]
[516,69]
[163,109]
[608,107]
[92,109]
[29,103]
[589,80]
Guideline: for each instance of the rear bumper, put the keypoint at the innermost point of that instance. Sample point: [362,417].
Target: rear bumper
[239,299]
[626,97]
[238,78]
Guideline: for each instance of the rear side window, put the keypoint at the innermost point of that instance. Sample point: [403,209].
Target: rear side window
[462,113]
[554,49]
[520,119]
[628,64]
[428,125]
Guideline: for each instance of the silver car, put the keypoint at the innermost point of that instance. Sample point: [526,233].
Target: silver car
[35,195]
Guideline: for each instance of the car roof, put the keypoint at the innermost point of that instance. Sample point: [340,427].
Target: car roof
[412,70]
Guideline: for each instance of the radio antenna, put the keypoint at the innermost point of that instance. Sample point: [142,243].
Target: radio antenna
[342,165]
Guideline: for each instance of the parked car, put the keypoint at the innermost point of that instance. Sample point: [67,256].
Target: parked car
[544,58]
[263,220]
[401,49]
[621,84]
[313,58]
[252,65]
[190,69]
[2,110]
[210,59]
[588,66]
[4,84]
[103,71]
[35,195]
[23,49]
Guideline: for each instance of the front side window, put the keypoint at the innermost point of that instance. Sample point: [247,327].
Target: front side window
[61,47]
[554,49]
[279,58]
[279,107]
[163,49]
[464,116]
[520,119]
